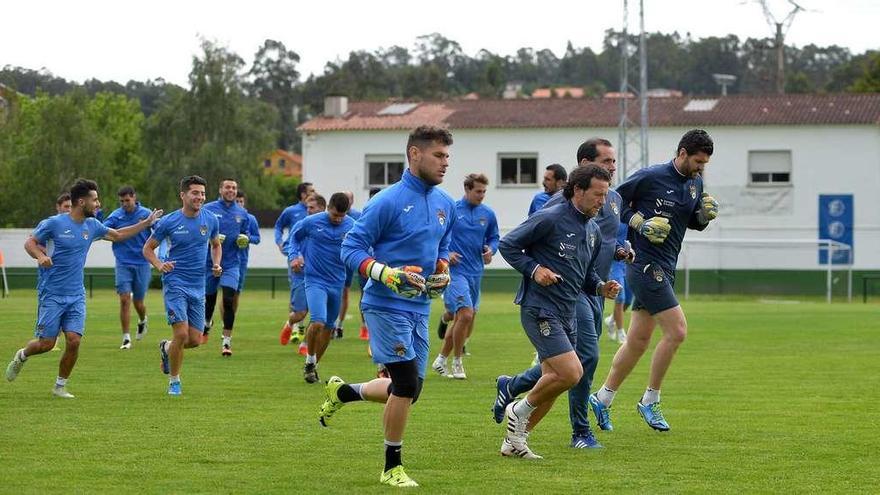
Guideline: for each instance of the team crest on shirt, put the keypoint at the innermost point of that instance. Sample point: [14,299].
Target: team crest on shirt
[400,349]
[693,191]
[592,240]
[483,221]
[203,229]
[237,219]
[171,313]
[441,216]
[86,234]
[615,208]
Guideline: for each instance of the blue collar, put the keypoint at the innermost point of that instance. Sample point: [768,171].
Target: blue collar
[415,183]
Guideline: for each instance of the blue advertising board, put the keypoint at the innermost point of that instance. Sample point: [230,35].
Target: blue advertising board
[836,223]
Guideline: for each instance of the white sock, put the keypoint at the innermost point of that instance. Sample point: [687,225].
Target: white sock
[605,395]
[608,320]
[456,360]
[357,387]
[651,396]
[144,320]
[227,340]
[174,379]
[20,355]
[167,345]
[60,382]
[440,357]
[523,409]
[301,326]
[311,359]
[126,337]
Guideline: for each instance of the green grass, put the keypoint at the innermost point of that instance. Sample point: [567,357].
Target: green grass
[761,398]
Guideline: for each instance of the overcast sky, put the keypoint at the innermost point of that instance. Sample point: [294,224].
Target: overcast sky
[123,40]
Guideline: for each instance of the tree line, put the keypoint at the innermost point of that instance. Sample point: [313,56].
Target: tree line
[149,133]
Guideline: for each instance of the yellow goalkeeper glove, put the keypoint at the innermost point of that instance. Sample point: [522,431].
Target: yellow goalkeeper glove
[655,229]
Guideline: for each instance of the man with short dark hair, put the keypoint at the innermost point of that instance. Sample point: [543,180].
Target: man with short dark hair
[189,230]
[61,292]
[555,250]
[554,180]
[299,307]
[132,270]
[474,242]
[286,221]
[234,223]
[588,307]
[404,231]
[659,203]
[320,238]
[62,204]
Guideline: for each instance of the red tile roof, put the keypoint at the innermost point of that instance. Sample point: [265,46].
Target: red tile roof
[752,110]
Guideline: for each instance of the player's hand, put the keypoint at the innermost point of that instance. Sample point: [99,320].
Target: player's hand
[222,238]
[242,241]
[44,261]
[454,258]
[166,266]
[405,280]
[655,229]
[439,280]
[297,264]
[708,209]
[625,253]
[217,270]
[610,289]
[155,215]
[487,255]
[544,276]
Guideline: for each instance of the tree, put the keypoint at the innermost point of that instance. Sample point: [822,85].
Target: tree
[273,80]
[869,81]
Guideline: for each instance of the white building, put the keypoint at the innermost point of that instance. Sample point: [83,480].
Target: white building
[774,155]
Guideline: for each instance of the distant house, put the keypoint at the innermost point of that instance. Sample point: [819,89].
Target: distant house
[281,162]
[568,92]
[776,157]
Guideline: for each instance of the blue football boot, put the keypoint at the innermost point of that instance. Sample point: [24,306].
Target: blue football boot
[602,413]
[653,416]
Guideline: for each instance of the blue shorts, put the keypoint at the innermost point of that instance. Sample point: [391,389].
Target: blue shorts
[184,304]
[550,334]
[134,280]
[298,300]
[57,313]
[397,336]
[324,302]
[652,287]
[242,273]
[463,292]
[229,278]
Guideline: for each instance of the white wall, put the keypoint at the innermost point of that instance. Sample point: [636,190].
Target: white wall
[825,160]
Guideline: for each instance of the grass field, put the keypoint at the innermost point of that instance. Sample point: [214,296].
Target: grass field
[763,397]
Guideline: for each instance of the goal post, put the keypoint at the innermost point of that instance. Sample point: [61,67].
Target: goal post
[800,254]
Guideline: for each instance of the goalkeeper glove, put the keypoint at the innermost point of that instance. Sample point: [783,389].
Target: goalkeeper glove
[439,280]
[242,241]
[405,280]
[655,228]
[708,209]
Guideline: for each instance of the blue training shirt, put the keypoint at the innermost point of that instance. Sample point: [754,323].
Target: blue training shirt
[321,252]
[67,243]
[475,227]
[293,250]
[129,251]
[187,238]
[253,233]
[233,221]
[660,190]
[287,219]
[559,238]
[407,223]
[538,202]
[608,219]
[353,213]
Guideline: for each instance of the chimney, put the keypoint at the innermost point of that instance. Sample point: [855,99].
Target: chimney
[335,106]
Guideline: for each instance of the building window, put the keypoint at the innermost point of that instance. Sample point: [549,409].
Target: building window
[281,163]
[516,169]
[267,163]
[770,168]
[384,170]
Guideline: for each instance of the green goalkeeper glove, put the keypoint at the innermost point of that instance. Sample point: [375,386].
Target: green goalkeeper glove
[405,280]
[708,209]
[655,228]
[242,241]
